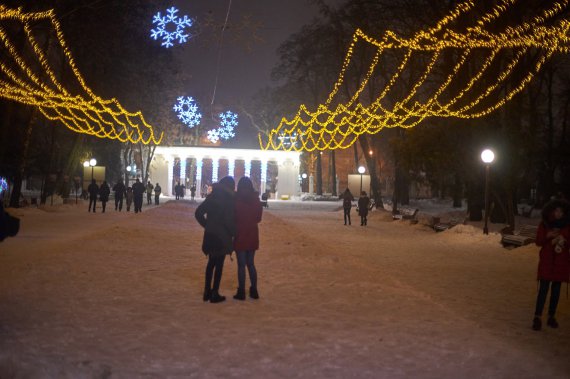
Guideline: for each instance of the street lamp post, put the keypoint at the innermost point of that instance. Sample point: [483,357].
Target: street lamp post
[361,171]
[303,176]
[487,156]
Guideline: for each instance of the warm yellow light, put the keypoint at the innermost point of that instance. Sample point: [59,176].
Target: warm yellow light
[93,162]
[82,112]
[332,127]
[86,164]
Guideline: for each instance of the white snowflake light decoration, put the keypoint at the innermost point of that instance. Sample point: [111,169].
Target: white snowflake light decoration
[213,135]
[188,111]
[228,122]
[165,33]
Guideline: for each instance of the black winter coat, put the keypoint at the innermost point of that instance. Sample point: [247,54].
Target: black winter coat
[104,192]
[216,215]
[120,190]
[138,189]
[93,190]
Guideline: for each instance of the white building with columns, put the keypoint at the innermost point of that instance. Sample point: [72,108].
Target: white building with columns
[202,166]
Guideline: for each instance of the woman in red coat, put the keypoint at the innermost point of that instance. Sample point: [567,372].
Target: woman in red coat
[553,237]
[248,212]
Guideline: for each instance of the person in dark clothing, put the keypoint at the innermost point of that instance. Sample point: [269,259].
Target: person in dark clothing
[93,191]
[120,191]
[363,204]
[9,225]
[553,237]
[177,191]
[216,216]
[104,192]
[149,190]
[347,200]
[248,212]
[192,192]
[157,192]
[129,197]
[138,194]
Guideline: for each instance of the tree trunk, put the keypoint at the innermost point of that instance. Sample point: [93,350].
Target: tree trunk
[333,173]
[319,175]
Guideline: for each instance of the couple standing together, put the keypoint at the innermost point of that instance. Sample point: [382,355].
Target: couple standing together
[230,221]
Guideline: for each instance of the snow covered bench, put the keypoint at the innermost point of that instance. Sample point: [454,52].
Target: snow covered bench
[407,214]
[441,226]
[525,236]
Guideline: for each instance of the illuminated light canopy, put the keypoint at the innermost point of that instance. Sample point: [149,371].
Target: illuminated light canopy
[32,80]
[170,28]
[456,94]
[188,111]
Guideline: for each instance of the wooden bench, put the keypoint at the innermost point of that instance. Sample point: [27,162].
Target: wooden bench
[407,214]
[525,236]
[454,221]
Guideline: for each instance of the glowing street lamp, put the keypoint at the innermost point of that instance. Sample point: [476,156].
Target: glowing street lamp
[487,156]
[92,162]
[361,170]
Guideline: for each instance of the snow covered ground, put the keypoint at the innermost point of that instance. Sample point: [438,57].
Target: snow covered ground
[119,295]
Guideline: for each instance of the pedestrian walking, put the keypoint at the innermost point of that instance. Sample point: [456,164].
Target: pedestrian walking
[248,212]
[93,191]
[192,192]
[120,191]
[149,190]
[157,192]
[347,200]
[363,204]
[129,197]
[553,237]
[138,194]
[216,216]
[177,190]
[104,192]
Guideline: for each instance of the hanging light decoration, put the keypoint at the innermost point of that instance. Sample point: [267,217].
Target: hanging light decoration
[170,28]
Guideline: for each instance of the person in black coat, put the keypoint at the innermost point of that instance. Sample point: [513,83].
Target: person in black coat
[216,215]
[93,191]
[363,204]
[149,190]
[120,192]
[104,192]
[138,193]
[347,200]
[9,225]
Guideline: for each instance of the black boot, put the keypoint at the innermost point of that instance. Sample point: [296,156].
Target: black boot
[552,322]
[215,297]
[207,294]
[240,294]
[253,293]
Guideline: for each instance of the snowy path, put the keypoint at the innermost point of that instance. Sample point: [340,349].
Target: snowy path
[119,295]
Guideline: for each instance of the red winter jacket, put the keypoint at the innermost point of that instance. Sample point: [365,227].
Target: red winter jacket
[248,212]
[551,265]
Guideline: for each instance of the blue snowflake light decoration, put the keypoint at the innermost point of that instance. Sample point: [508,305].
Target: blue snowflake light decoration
[188,111]
[164,30]
[213,135]
[3,185]
[228,122]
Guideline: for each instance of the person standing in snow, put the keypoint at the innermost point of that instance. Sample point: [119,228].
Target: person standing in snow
[120,191]
[192,192]
[104,192]
[248,213]
[553,237]
[93,191]
[129,198]
[138,193]
[347,199]
[216,216]
[149,189]
[157,192]
[363,204]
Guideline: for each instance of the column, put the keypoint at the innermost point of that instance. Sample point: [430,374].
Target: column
[247,165]
[199,176]
[170,164]
[263,183]
[311,184]
[183,173]
[215,168]
[231,167]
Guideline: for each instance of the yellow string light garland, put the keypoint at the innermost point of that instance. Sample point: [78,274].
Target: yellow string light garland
[329,127]
[82,112]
